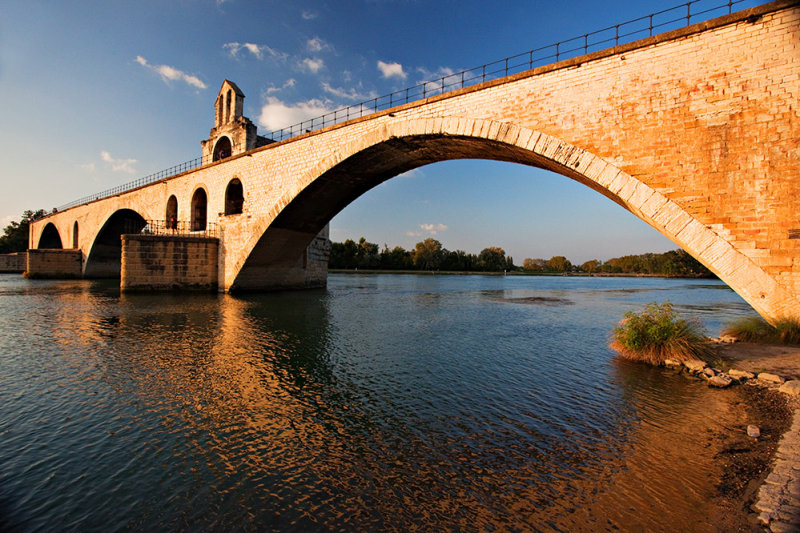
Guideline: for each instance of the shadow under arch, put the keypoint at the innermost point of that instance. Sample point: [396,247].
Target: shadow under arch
[50,238]
[398,145]
[104,259]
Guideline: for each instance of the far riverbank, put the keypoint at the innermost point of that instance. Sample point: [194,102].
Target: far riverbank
[510,273]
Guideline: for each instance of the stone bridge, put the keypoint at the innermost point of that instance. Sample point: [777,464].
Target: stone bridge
[695,131]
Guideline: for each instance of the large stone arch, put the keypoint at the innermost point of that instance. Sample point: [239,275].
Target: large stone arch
[399,145]
[104,259]
[50,238]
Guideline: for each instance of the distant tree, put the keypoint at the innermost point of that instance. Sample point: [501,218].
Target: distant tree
[395,259]
[458,261]
[492,259]
[591,266]
[559,263]
[367,254]
[15,235]
[344,254]
[534,265]
[427,255]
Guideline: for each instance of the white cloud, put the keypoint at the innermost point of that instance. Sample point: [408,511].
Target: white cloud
[276,114]
[88,167]
[350,94]
[390,70]
[433,229]
[309,15]
[413,173]
[168,73]
[289,83]
[317,45]
[258,50]
[312,65]
[434,79]
[118,165]
[413,234]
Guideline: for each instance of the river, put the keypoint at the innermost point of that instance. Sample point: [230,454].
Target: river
[384,403]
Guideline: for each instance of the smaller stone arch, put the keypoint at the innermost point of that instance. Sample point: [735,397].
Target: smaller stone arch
[199,210]
[50,238]
[171,213]
[75,240]
[222,149]
[234,197]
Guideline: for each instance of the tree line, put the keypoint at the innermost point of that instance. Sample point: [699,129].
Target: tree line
[15,235]
[431,255]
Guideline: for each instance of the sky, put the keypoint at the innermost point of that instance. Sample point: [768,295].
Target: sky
[96,94]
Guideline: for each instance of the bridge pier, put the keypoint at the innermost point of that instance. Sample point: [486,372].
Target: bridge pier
[54,263]
[169,262]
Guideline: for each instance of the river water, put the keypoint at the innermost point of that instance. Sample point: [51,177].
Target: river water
[384,403]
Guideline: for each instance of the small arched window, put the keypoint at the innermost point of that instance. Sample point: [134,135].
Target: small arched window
[75,234]
[171,215]
[222,149]
[199,208]
[234,197]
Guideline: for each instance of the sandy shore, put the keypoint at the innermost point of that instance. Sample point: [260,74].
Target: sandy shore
[773,358]
[775,505]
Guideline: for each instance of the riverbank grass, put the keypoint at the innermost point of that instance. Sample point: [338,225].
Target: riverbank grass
[756,329]
[657,334]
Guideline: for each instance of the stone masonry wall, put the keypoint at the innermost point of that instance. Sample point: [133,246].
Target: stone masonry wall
[53,263]
[16,262]
[166,262]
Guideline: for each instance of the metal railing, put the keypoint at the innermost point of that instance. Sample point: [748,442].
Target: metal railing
[173,227]
[626,32]
[623,33]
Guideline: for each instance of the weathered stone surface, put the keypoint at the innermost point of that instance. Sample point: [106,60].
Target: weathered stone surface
[709,372]
[720,380]
[771,379]
[694,365]
[672,362]
[753,431]
[791,387]
[740,374]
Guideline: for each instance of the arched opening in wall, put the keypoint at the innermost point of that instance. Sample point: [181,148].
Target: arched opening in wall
[105,256]
[234,197]
[199,210]
[171,214]
[50,238]
[75,234]
[222,149]
[453,207]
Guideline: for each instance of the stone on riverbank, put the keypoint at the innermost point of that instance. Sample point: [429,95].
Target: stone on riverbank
[753,431]
[791,388]
[694,365]
[740,374]
[720,381]
[772,379]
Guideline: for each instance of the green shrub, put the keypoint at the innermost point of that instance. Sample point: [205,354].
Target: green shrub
[755,329]
[657,334]
[750,329]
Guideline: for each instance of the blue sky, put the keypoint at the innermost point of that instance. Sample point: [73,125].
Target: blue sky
[95,94]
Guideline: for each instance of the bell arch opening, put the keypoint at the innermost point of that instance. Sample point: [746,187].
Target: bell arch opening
[199,210]
[50,238]
[105,256]
[223,148]
[234,197]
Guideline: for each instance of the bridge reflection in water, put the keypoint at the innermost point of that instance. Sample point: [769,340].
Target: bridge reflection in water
[382,403]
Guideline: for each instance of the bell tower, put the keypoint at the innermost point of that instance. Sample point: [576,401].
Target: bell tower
[233,133]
